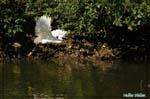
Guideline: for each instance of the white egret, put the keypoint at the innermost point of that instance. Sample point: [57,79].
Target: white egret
[44,33]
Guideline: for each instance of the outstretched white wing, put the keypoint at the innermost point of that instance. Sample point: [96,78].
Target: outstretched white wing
[60,34]
[43,27]
[44,33]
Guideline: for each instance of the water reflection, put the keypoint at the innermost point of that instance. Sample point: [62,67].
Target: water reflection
[78,79]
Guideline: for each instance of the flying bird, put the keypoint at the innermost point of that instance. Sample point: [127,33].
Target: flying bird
[45,34]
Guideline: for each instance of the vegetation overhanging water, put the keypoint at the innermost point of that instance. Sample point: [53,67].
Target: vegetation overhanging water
[122,27]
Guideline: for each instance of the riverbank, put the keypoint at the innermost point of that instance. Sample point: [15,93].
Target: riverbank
[71,48]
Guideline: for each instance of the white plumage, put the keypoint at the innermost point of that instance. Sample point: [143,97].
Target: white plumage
[44,32]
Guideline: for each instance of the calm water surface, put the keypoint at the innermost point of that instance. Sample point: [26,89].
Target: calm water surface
[74,80]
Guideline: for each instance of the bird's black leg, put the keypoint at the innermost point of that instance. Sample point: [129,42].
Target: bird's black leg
[32,50]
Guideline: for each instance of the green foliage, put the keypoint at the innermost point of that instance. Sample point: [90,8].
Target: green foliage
[35,7]
[11,17]
[89,16]
[14,13]
[78,15]
[93,15]
[131,15]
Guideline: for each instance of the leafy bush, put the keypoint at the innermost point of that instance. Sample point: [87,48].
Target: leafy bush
[89,16]
[118,23]
[92,15]
[11,18]
[14,13]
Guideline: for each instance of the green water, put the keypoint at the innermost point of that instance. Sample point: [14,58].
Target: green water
[73,80]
